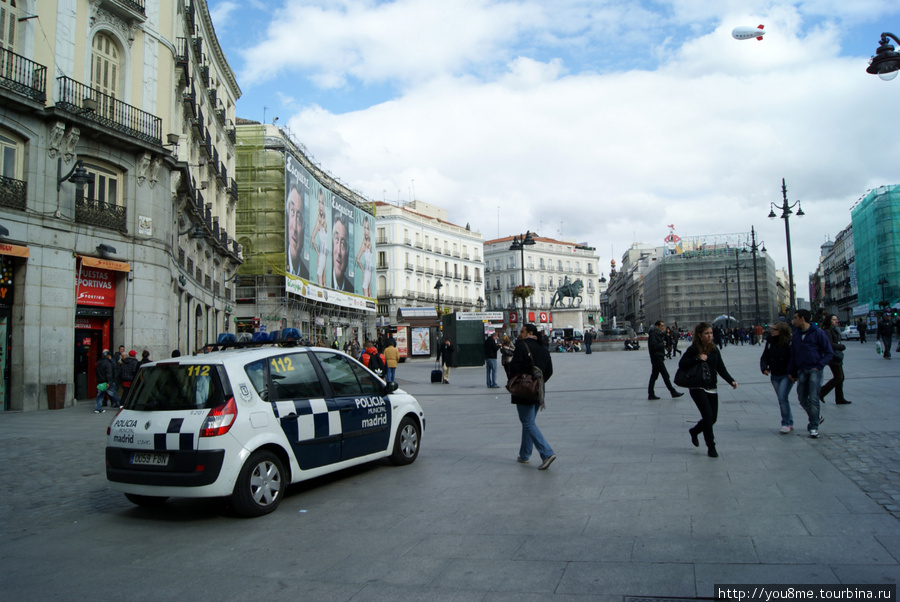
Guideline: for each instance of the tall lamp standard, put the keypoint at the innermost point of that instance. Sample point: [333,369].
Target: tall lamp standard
[886,63]
[754,248]
[786,211]
[882,282]
[437,288]
[519,244]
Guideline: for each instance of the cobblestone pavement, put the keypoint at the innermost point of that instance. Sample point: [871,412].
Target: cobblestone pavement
[871,460]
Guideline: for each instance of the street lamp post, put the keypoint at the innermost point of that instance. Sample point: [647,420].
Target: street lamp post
[753,250]
[886,62]
[786,211]
[882,282]
[519,244]
[727,301]
[437,287]
[737,270]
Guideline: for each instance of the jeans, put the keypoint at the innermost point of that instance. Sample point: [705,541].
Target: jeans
[783,385]
[114,399]
[808,384]
[531,435]
[491,366]
[389,374]
[587,348]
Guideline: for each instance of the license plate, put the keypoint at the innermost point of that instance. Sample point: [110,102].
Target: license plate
[150,459]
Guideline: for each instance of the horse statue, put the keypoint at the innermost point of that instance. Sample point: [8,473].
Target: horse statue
[569,289]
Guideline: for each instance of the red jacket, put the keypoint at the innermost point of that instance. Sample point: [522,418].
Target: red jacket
[365,356]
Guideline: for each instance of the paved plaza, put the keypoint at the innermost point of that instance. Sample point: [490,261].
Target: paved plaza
[630,508]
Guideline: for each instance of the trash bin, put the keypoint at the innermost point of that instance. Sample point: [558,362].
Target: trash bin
[56,396]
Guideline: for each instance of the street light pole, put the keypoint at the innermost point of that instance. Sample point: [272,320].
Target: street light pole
[786,211]
[519,244]
[737,270]
[727,302]
[437,287]
[753,249]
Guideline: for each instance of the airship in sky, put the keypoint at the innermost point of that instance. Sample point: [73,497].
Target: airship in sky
[745,32]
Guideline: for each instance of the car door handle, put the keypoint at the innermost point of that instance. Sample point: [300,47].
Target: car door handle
[291,416]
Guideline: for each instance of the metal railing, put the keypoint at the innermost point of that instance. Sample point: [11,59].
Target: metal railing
[108,111]
[100,214]
[13,193]
[23,75]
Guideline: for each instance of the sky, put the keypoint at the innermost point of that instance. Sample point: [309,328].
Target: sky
[601,122]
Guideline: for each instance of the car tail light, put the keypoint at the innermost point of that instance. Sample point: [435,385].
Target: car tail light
[108,428]
[219,419]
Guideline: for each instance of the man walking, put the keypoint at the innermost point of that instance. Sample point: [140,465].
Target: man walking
[657,346]
[588,339]
[106,382]
[810,353]
[885,332]
[491,347]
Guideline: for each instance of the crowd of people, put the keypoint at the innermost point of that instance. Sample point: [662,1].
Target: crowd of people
[115,375]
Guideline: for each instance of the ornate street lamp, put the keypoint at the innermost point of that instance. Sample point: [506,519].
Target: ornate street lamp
[437,287]
[754,247]
[886,62]
[519,244]
[786,211]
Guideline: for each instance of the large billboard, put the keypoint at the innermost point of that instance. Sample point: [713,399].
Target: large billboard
[329,243]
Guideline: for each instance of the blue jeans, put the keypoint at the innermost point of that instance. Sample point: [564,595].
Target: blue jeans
[114,399]
[808,384]
[531,434]
[783,385]
[491,365]
[389,374]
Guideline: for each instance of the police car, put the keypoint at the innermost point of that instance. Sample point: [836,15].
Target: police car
[246,423]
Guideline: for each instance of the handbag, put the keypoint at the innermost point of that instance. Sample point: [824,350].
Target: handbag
[102,386]
[697,376]
[528,386]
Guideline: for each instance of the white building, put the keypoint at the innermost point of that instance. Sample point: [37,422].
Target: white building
[417,248]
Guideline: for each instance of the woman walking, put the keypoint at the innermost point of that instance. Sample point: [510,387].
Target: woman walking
[836,364]
[531,351]
[774,363]
[706,398]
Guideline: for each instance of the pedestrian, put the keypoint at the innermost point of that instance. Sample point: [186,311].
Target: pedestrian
[127,371]
[530,344]
[355,349]
[445,354]
[707,398]
[373,360]
[491,347]
[391,359]
[676,334]
[810,353]
[588,339]
[758,334]
[885,332]
[506,354]
[861,327]
[773,363]
[836,364]
[106,382]
[145,358]
[657,346]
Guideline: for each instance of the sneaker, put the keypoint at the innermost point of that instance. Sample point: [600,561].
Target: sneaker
[785,430]
[814,433]
[546,464]
[99,411]
[521,460]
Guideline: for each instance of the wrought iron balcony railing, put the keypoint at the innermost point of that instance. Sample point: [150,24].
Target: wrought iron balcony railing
[100,214]
[106,110]
[13,193]
[23,75]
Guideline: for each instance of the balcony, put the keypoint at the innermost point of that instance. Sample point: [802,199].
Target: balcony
[383,265]
[231,131]
[233,189]
[108,112]
[409,267]
[23,76]
[100,214]
[13,193]
[182,61]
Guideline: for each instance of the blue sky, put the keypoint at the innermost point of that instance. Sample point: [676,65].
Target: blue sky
[599,122]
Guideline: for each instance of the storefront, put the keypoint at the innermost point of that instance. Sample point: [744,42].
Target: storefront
[10,255]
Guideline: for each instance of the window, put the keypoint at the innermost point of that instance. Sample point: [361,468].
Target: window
[105,187]
[542,263]
[105,72]
[293,377]
[9,15]
[10,155]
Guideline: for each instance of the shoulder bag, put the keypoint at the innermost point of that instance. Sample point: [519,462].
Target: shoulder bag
[698,376]
[530,385]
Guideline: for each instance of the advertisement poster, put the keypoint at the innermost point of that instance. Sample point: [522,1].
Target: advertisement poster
[95,287]
[421,341]
[402,341]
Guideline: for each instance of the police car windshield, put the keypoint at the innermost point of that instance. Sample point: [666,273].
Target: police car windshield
[176,387]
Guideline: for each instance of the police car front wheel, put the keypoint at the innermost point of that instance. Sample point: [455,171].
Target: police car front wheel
[406,443]
[259,486]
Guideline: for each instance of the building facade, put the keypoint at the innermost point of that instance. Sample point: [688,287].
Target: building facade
[876,241]
[115,117]
[417,248]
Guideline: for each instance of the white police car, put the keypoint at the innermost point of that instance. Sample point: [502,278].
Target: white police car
[246,423]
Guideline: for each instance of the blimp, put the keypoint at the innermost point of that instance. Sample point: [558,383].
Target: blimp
[745,32]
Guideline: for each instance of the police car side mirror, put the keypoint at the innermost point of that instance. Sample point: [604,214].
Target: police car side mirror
[390,387]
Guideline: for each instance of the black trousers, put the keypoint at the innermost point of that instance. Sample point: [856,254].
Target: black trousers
[708,404]
[659,369]
[836,382]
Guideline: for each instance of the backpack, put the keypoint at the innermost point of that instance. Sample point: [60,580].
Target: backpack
[376,364]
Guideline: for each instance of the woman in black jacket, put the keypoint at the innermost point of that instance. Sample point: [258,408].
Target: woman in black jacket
[774,363]
[707,398]
[830,326]
[530,343]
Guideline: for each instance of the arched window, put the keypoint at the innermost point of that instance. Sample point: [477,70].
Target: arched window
[11,151]
[9,19]
[105,72]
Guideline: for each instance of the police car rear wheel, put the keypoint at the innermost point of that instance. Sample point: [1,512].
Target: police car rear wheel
[259,486]
[147,501]
[406,443]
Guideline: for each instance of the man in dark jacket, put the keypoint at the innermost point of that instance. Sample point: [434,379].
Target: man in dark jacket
[106,382]
[491,347]
[445,354]
[588,340]
[128,371]
[885,332]
[810,353]
[657,345]
[530,345]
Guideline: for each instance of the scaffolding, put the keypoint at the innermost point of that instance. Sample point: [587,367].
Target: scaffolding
[876,241]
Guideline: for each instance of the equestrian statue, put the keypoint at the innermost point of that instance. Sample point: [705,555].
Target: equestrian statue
[567,289]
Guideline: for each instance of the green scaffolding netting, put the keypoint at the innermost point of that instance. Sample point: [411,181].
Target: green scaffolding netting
[876,242]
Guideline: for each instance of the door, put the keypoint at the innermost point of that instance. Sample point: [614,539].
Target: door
[311,423]
[4,357]
[365,412]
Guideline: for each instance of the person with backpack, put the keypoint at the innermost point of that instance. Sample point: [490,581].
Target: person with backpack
[373,360]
